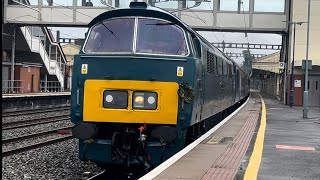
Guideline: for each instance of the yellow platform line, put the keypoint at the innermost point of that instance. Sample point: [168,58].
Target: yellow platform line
[255,159]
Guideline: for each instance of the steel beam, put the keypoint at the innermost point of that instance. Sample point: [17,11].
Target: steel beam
[231,54]
[247,46]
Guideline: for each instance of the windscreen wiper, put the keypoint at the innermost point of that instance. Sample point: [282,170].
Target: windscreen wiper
[109,30]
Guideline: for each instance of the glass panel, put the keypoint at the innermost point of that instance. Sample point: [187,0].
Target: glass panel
[27,2]
[202,6]
[160,37]
[167,4]
[122,3]
[232,5]
[58,3]
[111,36]
[94,3]
[36,31]
[31,2]
[269,6]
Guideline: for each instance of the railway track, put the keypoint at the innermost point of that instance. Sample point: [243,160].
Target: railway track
[33,122]
[35,111]
[56,137]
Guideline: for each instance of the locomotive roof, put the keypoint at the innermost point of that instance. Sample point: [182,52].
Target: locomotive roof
[143,9]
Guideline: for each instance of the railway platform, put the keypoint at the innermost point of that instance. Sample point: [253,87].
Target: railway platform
[29,101]
[264,140]
[20,95]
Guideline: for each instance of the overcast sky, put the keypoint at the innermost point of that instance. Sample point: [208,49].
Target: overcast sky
[260,5]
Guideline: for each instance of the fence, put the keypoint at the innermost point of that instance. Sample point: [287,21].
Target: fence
[12,86]
[50,86]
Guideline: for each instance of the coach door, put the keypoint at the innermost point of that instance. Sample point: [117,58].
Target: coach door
[314,91]
[199,77]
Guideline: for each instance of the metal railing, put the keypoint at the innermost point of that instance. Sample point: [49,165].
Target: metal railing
[50,86]
[9,86]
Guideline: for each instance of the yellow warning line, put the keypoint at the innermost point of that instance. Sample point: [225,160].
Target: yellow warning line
[255,159]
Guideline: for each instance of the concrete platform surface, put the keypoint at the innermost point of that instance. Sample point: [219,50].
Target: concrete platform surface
[291,145]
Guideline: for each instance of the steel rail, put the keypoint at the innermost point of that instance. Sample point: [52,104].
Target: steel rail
[27,123]
[35,146]
[28,136]
[35,111]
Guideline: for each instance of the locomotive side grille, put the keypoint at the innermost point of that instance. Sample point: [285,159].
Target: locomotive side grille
[210,63]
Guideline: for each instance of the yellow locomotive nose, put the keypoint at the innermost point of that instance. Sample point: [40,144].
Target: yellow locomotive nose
[130,101]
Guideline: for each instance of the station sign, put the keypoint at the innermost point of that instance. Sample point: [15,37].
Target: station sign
[297,83]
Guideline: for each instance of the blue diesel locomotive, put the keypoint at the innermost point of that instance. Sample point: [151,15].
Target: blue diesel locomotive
[145,85]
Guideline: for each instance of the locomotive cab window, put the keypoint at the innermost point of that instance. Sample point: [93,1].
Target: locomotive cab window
[160,37]
[115,35]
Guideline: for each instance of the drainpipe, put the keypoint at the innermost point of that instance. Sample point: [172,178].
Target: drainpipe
[12,58]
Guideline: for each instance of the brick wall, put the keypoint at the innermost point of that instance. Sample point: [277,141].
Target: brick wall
[25,74]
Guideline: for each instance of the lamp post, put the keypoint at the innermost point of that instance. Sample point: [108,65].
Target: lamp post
[305,93]
[292,65]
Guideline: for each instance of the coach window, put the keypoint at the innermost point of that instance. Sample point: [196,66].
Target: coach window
[160,37]
[115,35]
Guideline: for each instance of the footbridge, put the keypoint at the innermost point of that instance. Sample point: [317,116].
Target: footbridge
[202,15]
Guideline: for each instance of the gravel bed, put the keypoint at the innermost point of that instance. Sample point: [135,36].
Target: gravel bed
[27,142]
[34,116]
[11,133]
[53,162]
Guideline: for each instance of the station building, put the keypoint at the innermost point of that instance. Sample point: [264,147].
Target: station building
[299,13]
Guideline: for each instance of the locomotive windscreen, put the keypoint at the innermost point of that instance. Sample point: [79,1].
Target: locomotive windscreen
[115,35]
[160,37]
[154,36]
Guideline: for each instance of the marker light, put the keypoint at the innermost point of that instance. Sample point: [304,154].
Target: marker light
[145,100]
[151,100]
[139,100]
[109,98]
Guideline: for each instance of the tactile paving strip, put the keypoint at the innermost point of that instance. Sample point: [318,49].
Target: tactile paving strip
[226,166]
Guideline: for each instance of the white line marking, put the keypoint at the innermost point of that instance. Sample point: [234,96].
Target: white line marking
[95,176]
[159,169]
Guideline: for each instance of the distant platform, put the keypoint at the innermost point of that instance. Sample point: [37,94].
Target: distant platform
[19,95]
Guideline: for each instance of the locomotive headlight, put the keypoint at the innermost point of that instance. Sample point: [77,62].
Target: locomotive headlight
[138,100]
[145,100]
[115,99]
